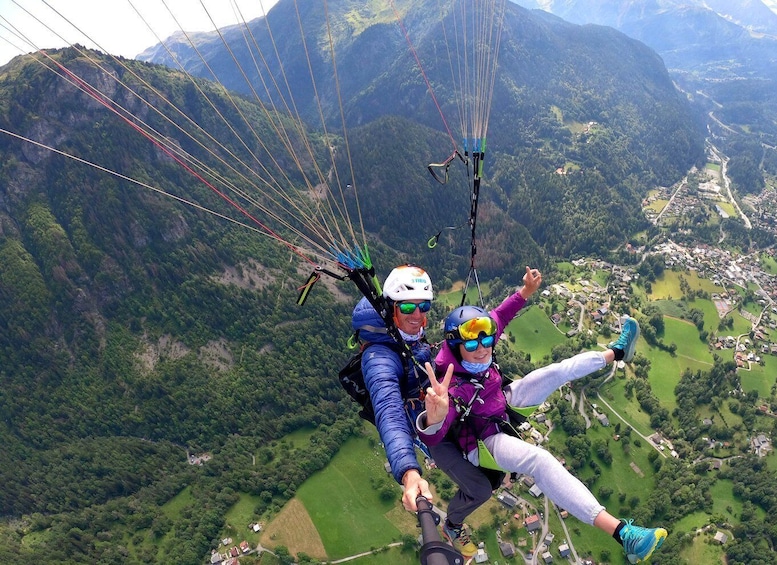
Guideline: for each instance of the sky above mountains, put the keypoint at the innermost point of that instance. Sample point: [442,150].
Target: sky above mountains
[116,27]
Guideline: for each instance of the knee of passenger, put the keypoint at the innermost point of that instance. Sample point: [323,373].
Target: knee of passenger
[544,459]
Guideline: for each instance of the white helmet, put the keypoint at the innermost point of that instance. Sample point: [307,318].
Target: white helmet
[408,282]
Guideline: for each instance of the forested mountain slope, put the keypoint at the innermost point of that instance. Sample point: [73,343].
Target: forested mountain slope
[134,328]
[721,52]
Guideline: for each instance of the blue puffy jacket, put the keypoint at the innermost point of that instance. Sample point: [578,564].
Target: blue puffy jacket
[393,385]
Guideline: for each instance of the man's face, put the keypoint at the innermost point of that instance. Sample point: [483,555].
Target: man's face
[413,322]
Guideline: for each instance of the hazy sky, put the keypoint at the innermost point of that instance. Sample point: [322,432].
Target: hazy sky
[114,25]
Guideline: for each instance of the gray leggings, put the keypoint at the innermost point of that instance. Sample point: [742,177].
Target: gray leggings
[566,491]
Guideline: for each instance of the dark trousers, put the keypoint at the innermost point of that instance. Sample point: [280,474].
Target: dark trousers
[475,483]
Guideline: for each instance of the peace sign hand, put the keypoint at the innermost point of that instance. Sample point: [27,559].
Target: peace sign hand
[436,401]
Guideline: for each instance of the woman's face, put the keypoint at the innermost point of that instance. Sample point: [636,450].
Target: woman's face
[480,355]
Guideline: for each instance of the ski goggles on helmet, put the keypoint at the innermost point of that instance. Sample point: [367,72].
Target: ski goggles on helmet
[408,308]
[477,331]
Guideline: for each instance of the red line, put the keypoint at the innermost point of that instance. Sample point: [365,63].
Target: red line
[99,97]
[423,73]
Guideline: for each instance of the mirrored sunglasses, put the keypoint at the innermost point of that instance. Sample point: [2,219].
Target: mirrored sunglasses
[471,329]
[409,307]
[472,344]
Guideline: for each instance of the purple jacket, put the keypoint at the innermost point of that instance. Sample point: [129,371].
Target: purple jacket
[480,424]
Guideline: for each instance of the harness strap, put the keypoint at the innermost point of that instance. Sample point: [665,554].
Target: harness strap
[524,411]
[485,459]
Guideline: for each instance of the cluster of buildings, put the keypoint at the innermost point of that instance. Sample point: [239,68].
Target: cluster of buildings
[722,267]
[532,522]
[727,270]
[231,552]
[683,201]
[229,556]
[765,206]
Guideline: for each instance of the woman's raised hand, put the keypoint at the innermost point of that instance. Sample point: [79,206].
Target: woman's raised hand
[531,282]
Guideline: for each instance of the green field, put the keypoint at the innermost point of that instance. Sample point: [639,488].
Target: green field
[239,517]
[703,549]
[565,268]
[685,335]
[658,204]
[299,439]
[759,378]
[668,285]
[769,263]
[347,511]
[613,392]
[741,325]
[532,332]
[451,298]
[682,308]
[729,209]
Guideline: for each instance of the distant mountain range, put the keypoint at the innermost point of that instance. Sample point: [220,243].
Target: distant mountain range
[722,53]
[752,15]
[710,38]
[544,61]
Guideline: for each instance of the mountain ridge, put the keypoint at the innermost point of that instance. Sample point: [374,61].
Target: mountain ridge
[548,68]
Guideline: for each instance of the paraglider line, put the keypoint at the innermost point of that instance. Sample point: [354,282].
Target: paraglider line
[423,73]
[96,95]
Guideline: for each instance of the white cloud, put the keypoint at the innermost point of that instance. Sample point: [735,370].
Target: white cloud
[114,26]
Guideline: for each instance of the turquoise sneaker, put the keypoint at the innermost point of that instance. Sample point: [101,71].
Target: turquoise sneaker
[640,543]
[627,342]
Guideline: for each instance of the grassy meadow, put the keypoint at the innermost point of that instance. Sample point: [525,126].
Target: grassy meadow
[667,286]
[759,378]
[532,332]
[769,263]
[337,512]
[451,298]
